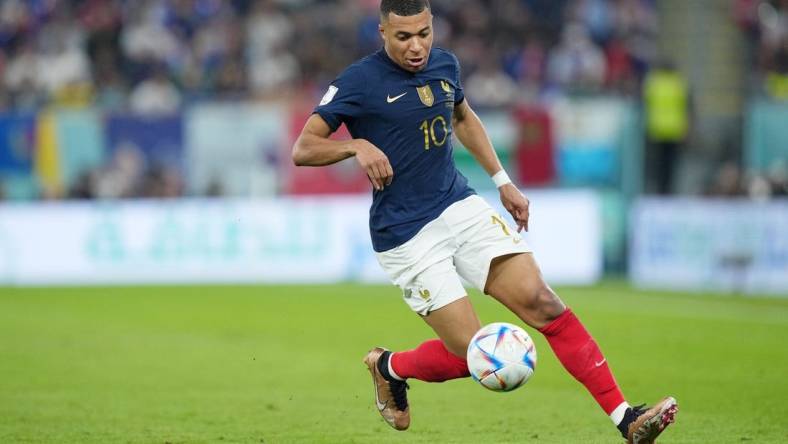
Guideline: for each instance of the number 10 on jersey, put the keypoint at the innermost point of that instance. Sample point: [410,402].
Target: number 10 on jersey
[429,132]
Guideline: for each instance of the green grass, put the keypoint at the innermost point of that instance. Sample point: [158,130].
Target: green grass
[283,364]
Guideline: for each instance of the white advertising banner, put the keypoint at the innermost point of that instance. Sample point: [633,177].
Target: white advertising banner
[704,244]
[284,240]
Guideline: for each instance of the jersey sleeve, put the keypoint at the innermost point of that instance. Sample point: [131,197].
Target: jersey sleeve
[344,99]
[459,94]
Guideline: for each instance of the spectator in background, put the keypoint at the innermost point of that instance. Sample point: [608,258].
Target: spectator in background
[598,16]
[85,186]
[152,56]
[576,64]
[271,47]
[667,107]
[728,181]
[121,178]
[156,95]
[772,184]
[272,67]
[774,23]
[765,23]
[102,22]
[145,41]
[489,86]
[275,75]
[778,178]
[526,65]
[21,77]
[745,14]
[14,20]
[535,146]
[267,27]
[161,182]
[215,45]
[111,89]
[620,73]
[776,84]
[64,66]
[231,78]
[636,26]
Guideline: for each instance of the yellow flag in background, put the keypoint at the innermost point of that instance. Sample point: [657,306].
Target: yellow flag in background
[47,155]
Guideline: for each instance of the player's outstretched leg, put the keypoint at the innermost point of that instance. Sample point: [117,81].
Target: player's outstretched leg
[391,398]
[429,362]
[583,359]
[436,360]
[517,283]
[642,426]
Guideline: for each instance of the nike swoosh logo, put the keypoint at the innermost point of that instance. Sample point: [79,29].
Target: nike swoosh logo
[598,364]
[381,405]
[390,99]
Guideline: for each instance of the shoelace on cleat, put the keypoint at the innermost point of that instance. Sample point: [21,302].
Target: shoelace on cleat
[630,416]
[639,410]
[398,393]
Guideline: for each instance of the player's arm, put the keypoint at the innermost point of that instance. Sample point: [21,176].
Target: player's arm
[471,133]
[314,148]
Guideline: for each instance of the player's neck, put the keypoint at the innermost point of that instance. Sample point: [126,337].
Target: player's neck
[385,54]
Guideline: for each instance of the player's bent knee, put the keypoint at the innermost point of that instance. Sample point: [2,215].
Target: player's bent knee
[543,305]
[549,305]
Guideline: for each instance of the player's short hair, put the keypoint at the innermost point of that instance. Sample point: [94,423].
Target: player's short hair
[403,8]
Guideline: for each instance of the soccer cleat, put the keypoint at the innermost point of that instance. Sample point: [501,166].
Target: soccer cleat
[391,399]
[651,422]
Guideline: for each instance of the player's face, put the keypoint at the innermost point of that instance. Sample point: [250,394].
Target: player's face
[408,39]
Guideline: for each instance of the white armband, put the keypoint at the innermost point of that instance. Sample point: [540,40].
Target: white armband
[501,178]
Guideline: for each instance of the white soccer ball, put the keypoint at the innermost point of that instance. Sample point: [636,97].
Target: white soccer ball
[501,356]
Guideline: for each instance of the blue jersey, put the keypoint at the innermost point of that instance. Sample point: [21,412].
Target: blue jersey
[409,117]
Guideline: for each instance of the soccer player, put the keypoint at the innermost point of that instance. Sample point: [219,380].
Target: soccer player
[429,228]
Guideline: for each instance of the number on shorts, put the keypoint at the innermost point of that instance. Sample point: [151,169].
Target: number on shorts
[499,221]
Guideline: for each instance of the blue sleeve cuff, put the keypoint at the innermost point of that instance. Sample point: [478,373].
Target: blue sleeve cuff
[332,121]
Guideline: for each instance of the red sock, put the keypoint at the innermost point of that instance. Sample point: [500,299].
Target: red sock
[430,362]
[581,357]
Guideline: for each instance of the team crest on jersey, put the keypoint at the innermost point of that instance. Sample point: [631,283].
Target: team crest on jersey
[446,87]
[425,94]
[332,91]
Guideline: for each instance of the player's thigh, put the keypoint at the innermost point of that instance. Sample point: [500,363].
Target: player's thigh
[423,269]
[483,237]
[455,324]
[516,281]
[425,272]
[437,286]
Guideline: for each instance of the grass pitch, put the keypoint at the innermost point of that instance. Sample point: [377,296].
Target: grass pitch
[283,364]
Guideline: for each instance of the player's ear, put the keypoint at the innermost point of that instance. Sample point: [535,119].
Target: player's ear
[382,30]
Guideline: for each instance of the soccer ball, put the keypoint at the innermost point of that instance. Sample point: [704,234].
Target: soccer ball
[501,357]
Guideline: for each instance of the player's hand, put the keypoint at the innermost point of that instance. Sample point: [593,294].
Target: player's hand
[516,204]
[374,162]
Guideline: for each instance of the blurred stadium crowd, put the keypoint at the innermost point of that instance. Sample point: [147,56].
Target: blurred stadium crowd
[765,23]
[157,56]
[152,55]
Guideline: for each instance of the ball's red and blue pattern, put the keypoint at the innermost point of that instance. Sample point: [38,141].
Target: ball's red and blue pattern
[501,356]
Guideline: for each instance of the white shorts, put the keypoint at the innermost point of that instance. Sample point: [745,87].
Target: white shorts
[461,242]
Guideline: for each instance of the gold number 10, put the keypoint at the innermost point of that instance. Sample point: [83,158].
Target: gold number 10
[429,132]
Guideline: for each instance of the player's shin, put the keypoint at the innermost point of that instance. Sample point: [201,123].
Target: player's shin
[430,362]
[582,358]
